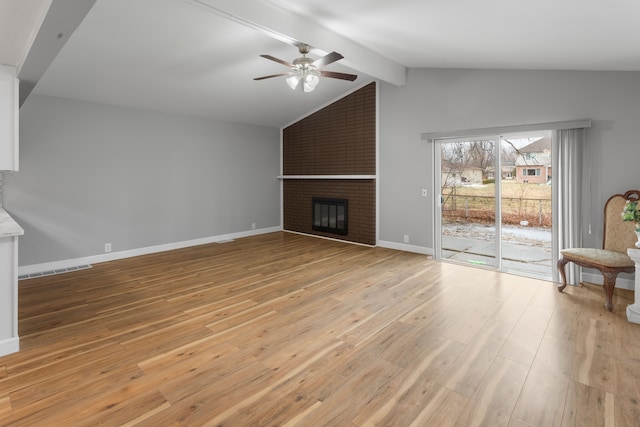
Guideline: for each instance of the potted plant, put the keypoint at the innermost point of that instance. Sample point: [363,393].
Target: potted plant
[631,213]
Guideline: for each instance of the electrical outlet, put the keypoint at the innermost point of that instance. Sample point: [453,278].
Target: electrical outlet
[253,225]
[107,247]
[406,238]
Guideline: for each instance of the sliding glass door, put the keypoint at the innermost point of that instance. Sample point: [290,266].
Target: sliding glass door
[467,220]
[494,206]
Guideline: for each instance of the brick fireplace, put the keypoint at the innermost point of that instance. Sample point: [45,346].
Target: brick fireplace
[330,215]
[339,143]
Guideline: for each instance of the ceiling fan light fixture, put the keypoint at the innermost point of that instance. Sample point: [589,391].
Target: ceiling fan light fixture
[307,70]
[311,80]
[293,80]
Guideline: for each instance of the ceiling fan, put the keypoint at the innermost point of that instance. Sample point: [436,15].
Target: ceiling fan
[307,70]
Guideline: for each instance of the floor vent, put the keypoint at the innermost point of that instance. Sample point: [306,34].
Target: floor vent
[225,241]
[52,272]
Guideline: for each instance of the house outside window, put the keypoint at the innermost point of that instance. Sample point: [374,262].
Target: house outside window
[533,162]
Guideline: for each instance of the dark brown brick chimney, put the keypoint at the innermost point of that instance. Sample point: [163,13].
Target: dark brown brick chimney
[339,140]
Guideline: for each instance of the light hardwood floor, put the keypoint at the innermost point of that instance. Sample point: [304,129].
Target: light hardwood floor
[289,330]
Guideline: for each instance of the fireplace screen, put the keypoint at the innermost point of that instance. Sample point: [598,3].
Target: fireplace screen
[330,215]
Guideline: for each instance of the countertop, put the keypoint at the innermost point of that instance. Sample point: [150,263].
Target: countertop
[8,227]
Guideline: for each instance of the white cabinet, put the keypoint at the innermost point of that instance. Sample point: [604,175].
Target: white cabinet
[8,118]
[9,340]
[9,232]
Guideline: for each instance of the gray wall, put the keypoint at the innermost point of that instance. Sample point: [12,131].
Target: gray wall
[436,100]
[92,174]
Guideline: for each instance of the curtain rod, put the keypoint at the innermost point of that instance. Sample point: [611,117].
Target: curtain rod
[573,124]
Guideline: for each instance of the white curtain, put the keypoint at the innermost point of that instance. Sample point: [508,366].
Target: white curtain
[569,147]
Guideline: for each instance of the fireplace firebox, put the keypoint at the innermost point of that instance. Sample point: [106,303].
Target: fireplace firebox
[330,215]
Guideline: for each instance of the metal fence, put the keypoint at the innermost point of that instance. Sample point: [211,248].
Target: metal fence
[481,209]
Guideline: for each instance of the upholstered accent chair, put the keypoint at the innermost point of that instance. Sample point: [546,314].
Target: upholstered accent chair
[612,259]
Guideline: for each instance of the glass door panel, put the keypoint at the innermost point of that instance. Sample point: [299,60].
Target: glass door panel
[468,200]
[526,204]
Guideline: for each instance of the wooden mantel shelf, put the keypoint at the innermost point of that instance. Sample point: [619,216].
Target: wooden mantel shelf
[327,176]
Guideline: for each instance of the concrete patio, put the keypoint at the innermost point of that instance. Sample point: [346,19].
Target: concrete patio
[524,250]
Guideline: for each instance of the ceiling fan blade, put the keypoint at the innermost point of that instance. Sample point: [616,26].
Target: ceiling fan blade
[279,61]
[327,59]
[341,76]
[270,76]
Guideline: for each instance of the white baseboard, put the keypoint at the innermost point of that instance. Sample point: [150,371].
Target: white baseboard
[404,247]
[94,259]
[9,345]
[621,282]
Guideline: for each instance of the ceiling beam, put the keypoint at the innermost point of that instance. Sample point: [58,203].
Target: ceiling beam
[293,29]
[62,19]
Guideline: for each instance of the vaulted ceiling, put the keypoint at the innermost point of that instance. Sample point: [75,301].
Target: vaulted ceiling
[199,57]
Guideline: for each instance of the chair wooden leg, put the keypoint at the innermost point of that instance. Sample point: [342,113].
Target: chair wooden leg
[561,263]
[609,284]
